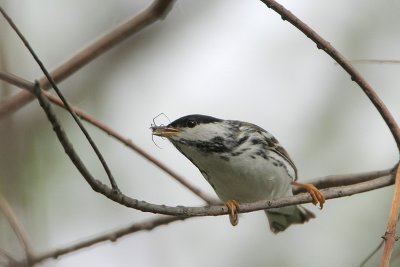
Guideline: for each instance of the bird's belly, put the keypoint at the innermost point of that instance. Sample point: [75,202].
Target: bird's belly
[247,180]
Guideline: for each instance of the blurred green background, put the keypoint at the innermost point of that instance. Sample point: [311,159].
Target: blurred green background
[229,59]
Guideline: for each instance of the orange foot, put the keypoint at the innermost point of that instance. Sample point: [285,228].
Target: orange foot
[314,192]
[233,211]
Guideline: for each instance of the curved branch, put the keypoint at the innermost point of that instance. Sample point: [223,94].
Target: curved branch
[342,61]
[157,10]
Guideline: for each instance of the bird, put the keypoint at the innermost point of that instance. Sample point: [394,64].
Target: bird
[243,163]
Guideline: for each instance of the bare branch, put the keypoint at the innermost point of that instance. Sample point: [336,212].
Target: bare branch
[18,229]
[111,236]
[390,236]
[157,10]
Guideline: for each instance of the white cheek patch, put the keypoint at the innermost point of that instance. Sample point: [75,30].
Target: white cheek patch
[204,132]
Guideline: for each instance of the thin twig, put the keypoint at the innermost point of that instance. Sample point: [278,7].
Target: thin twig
[17,227]
[157,10]
[61,96]
[111,236]
[26,85]
[390,236]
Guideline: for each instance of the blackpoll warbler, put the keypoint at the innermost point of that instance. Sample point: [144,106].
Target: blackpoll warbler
[242,162]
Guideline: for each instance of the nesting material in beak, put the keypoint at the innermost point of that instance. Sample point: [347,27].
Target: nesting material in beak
[164,131]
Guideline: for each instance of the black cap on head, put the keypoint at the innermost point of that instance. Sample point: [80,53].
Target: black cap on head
[192,120]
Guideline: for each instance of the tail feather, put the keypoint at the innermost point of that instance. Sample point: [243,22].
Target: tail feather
[281,218]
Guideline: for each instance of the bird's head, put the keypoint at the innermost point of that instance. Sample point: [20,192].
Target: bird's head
[193,129]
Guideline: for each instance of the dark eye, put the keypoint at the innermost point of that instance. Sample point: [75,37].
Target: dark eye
[191,123]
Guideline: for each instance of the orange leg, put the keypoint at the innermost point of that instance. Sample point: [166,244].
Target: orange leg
[233,211]
[314,192]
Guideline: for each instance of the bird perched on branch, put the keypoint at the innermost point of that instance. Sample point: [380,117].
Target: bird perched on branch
[242,162]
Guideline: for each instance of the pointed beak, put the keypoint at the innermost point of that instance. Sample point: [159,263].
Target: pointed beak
[164,131]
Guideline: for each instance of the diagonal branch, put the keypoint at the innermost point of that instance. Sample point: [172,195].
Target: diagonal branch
[157,10]
[111,236]
[18,229]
